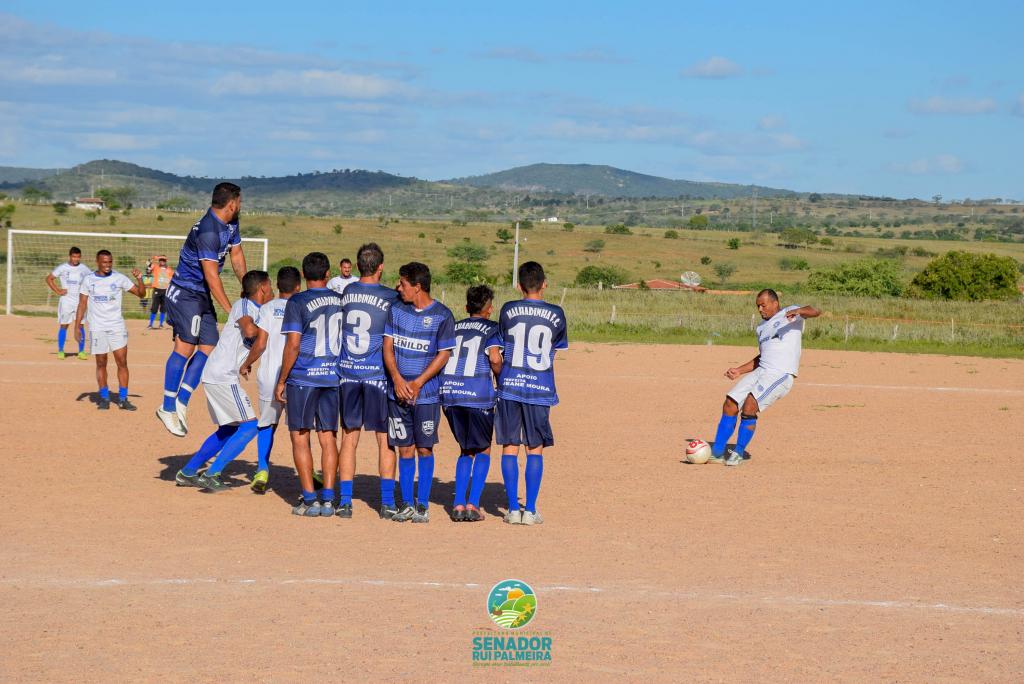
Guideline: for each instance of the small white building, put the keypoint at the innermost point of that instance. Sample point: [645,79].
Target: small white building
[89,203]
[549,219]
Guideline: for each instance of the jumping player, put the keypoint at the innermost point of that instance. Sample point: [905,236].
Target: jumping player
[308,383]
[364,393]
[339,282]
[269,347]
[230,408]
[467,395]
[418,339]
[769,375]
[190,296]
[530,331]
[100,297]
[66,281]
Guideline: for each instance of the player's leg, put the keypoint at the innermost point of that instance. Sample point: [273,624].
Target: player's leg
[62,338]
[163,307]
[188,476]
[194,322]
[245,417]
[768,390]
[121,359]
[301,417]
[538,436]
[153,306]
[479,442]
[401,438]
[387,463]
[327,419]
[726,426]
[270,417]
[508,430]
[101,380]
[457,417]
[351,409]
[425,423]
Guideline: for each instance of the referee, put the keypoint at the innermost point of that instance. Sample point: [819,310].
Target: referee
[161,279]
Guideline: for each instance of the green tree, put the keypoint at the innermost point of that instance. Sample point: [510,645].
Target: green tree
[568,227]
[60,208]
[699,221]
[863,278]
[797,236]
[733,243]
[34,195]
[466,273]
[814,198]
[671,235]
[590,276]
[618,229]
[469,252]
[594,246]
[6,212]
[174,204]
[968,277]
[504,234]
[724,270]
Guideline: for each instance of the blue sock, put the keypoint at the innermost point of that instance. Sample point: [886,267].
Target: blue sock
[387,492]
[173,371]
[345,491]
[264,445]
[726,425]
[62,337]
[327,495]
[190,380]
[534,473]
[122,393]
[426,480]
[510,473]
[235,445]
[308,497]
[209,449]
[152,317]
[161,318]
[463,468]
[406,477]
[746,433]
[81,340]
[105,393]
[481,464]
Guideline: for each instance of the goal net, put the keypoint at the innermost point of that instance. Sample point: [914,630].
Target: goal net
[33,254]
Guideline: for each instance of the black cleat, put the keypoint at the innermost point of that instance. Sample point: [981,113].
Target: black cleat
[388,512]
[125,405]
[344,510]
[211,483]
[183,480]
[458,515]
[472,515]
[103,404]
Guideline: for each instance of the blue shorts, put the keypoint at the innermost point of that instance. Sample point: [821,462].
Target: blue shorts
[526,424]
[472,427]
[191,315]
[364,404]
[312,408]
[414,425]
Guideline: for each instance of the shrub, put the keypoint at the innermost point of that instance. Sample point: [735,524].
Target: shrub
[671,235]
[568,227]
[618,229]
[594,246]
[724,270]
[159,217]
[797,236]
[968,277]
[793,264]
[60,208]
[470,252]
[922,252]
[124,261]
[590,276]
[466,273]
[733,243]
[864,278]
[112,219]
[827,241]
[504,234]
[698,221]
[705,260]
[337,228]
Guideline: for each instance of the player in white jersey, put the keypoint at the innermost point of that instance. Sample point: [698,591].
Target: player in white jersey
[339,282]
[766,378]
[100,297]
[230,408]
[269,349]
[65,281]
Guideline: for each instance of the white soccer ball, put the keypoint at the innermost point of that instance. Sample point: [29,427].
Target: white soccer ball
[697,451]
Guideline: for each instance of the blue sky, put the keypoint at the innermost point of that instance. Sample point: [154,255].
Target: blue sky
[900,99]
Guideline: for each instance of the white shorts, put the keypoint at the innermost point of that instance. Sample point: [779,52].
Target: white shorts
[766,386]
[104,341]
[228,404]
[271,411]
[66,310]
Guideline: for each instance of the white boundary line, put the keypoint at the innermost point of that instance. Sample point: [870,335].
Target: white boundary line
[645,592]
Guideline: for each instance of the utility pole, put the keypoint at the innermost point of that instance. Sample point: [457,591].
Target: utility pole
[754,222]
[515,260]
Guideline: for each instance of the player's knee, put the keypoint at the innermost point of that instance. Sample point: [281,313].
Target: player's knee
[730,407]
[750,408]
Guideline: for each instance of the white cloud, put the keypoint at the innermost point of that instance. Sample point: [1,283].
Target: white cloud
[309,83]
[944,105]
[516,53]
[713,67]
[941,164]
[119,142]
[771,123]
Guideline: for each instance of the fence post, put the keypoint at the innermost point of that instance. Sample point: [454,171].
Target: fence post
[846,330]
[600,285]
[613,314]
[562,300]
[895,331]
[753,321]
[952,331]
[442,295]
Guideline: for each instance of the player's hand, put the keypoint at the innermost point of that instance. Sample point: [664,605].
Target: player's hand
[402,390]
[78,333]
[244,370]
[279,393]
[414,387]
[63,291]
[136,273]
[733,373]
[792,315]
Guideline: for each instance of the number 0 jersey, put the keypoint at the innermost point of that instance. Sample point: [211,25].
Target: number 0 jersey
[530,331]
[316,315]
[209,240]
[366,307]
[466,379]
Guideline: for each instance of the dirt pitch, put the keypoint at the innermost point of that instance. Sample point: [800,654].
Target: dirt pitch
[875,534]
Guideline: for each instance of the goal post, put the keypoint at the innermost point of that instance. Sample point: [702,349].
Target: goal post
[33,254]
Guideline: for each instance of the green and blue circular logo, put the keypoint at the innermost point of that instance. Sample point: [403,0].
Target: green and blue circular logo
[512,604]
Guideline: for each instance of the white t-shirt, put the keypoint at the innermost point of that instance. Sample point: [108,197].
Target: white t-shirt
[339,283]
[71,279]
[780,341]
[222,366]
[104,293]
[271,315]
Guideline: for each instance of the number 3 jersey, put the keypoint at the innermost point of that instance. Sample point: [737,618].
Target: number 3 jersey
[466,379]
[366,307]
[530,331]
[418,336]
[315,314]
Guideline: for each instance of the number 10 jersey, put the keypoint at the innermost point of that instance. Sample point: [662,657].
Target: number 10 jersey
[316,315]
[530,331]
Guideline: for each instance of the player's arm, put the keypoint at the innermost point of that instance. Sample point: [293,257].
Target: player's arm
[402,390]
[435,367]
[803,312]
[83,304]
[247,326]
[291,352]
[213,281]
[51,282]
[495,359]
[238,261]
[258,347]
[750,365]
[139,288]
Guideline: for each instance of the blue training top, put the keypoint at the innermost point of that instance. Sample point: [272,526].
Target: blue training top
[418,336]
[316,315]
[209,240]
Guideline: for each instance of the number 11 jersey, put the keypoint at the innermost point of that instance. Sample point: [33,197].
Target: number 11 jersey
[530,331]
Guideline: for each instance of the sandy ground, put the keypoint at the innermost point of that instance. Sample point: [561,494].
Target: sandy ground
[875,534]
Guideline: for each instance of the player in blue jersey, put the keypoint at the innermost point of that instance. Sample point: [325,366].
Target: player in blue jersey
[308,383]
[418,339]
[530,331]
[467,395]
[364,394]
[189,301]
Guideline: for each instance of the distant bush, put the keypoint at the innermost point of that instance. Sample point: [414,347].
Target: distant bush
[466,273]
[922,252]
[337,228]
[863,278]
[797,236]
[671,235]
[968,277]
[422,235]
[159,217]
[504,234]
[618,229]
[793,264]
[60,208]
[827,241]
[594,246]
[568,227]
[281,263]
[724,270]
[705,260]
[468,251]
[112,220]
[590,276]
[125,260]
[733,243]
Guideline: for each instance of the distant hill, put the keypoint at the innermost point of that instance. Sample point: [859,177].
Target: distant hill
[18,174]
[608,181]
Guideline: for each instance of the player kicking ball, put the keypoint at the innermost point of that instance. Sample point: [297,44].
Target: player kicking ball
[766,378]
[467,395]
[230,408]
[530,331]
[268,349]
[66,281]
[418,339]
[100,298]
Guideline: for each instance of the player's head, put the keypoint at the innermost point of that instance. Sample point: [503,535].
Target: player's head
[531,278]
[413,278]
[256,287]
[480,301]
[316,266]
[370,260]
[104,261]
[162,261]
[289,280]
[767,303]
[346,267]
[74,256]
[227,196]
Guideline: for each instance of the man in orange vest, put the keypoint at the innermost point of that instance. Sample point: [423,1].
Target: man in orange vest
[161,279]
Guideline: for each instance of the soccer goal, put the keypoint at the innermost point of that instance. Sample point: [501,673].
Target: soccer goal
[33,254]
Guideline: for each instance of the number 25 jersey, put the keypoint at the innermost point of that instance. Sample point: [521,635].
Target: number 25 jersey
[530,331]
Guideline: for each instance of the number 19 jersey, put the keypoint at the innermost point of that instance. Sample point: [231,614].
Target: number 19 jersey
[529,332]
[316,315]
[366,307]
